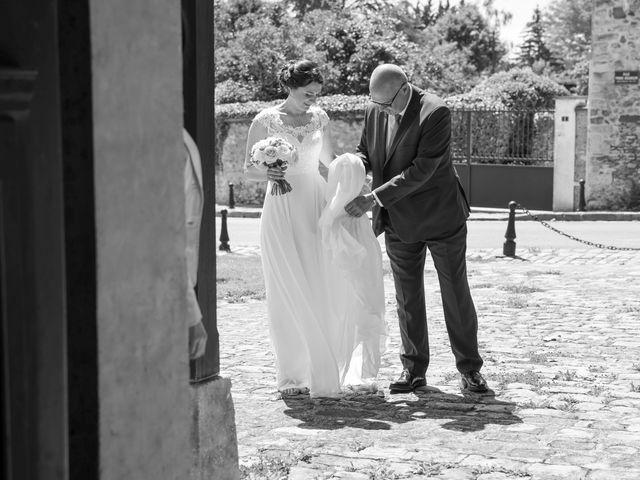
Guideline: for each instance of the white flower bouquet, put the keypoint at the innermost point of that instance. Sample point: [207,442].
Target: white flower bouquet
[274,151]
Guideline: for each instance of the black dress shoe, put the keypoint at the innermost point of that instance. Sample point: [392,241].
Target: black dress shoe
[473,381]
[406,383]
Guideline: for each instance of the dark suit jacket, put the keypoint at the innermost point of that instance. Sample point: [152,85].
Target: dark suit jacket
[415,180]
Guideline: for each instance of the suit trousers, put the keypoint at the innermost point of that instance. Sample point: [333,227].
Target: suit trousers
[449,259]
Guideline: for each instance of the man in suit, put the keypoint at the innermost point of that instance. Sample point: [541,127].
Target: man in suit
[418,203]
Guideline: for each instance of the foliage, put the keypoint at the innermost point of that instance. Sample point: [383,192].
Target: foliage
[534,51]
[517,88]
[239,278]
[518,133]
[444,48]
[352,45]
[468,29]
[336,106]
[567,24]
[256,48]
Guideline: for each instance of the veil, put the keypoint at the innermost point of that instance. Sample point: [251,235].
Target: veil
[354,252]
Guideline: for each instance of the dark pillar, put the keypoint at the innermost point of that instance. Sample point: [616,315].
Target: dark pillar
[80,238]
[198,81]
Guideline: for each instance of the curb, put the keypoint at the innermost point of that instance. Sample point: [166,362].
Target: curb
[485,214]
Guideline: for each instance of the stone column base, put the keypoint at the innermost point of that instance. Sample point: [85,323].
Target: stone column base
[213,432]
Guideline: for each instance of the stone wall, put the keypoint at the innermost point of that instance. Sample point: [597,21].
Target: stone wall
[613,152]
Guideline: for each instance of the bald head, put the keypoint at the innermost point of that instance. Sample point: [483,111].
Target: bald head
[389,88]
[386,78]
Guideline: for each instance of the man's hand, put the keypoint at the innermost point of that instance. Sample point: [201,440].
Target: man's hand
[197,341]
[359,205]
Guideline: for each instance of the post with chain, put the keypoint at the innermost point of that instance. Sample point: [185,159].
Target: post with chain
[509,247]
[232,200]
[582,203]
[224,234]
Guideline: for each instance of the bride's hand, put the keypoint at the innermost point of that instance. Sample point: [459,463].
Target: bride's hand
[276,172]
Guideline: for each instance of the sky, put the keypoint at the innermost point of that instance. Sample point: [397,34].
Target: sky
[522,11]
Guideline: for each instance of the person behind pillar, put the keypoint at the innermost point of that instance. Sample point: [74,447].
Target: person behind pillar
[419,204]
[193,214]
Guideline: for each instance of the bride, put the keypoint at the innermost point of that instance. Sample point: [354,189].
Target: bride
[321,333]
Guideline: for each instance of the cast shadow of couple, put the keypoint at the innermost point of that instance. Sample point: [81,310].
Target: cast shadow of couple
[468,412]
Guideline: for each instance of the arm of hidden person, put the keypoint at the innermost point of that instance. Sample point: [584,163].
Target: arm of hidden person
[433,149]
[197,332]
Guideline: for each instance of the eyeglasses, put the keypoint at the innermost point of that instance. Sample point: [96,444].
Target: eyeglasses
[388,104]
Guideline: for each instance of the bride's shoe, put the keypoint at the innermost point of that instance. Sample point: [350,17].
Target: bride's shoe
[362,388]
[294,391]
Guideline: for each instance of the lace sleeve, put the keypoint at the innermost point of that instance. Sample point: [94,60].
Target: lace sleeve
[265,118]
[323,118]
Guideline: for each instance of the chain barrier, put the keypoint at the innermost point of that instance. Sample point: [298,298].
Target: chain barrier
[586,242]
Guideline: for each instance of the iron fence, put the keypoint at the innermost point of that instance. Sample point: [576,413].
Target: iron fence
[517,137]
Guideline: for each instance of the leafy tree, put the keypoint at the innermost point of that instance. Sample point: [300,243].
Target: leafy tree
[351,46]
[567,24]
[443,47]
[533,49]
[251,60]
[519,88]
[468,29]
[568,27]
[495,19]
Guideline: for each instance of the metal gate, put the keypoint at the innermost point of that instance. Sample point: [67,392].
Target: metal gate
[504,155]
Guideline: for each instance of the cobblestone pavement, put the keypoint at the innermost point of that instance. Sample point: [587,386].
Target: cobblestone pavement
[559,332]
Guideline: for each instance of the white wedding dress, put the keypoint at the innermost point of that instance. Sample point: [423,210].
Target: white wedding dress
[311,314]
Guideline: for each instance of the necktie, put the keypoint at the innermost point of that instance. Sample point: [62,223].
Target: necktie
[393,129]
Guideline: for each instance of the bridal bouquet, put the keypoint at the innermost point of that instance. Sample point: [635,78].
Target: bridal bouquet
[274,151]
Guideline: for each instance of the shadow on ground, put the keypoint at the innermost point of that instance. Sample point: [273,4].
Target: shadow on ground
[466,413]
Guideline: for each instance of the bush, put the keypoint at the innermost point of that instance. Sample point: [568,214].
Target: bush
[339,106]
[519,130]
[519,88]
[231,91]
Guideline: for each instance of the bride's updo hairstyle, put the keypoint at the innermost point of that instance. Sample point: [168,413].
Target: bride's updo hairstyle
[299,74]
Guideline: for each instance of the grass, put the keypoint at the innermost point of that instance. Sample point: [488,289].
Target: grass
[539,358]
[569,403]
[267,469]
[239,278]
[528,377]
[567,375]
[517,302]
[274,467]
[488,470]
[521,289]
[596,390]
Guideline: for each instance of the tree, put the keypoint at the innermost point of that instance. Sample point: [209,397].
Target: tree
[533,49]
[568,27]
[468,29]
[247,67]
[351,45]
[495,19]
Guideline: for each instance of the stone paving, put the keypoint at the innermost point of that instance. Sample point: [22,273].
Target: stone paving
[559,332]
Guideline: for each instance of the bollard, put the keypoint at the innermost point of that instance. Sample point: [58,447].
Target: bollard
[582,203]
[509,248]
[232,200]
[224,234]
